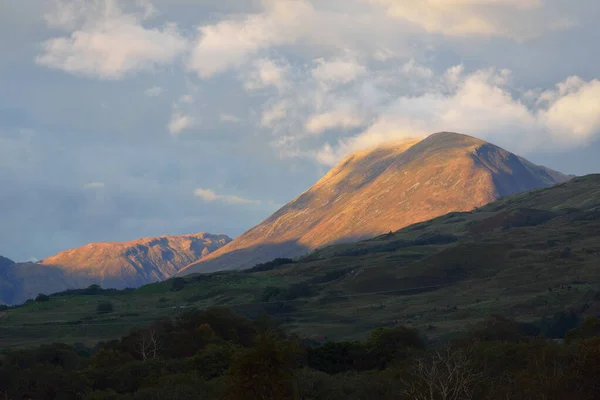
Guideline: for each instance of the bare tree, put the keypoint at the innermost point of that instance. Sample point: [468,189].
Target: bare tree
[148,343]
[549,373]
[446,374]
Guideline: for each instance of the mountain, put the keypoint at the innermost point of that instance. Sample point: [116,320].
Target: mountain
[136,262]
[384,189]
[111,265]
[532,256]
[5,262]
[5,285]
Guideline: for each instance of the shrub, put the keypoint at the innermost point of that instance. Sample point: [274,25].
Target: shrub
[589,328]
[292,292]
[269,293]
[330,276]
[266,371]
[389,344]
[177,284]
[311,384]
[92,290]
[268,266]
[498,328]
[557,326]
[42,297]
[104,308]
[336,357]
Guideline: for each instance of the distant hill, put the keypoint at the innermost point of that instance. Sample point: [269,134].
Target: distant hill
[384,189]
[111,265]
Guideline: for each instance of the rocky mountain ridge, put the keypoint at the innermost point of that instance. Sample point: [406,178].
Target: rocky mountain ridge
[109,264]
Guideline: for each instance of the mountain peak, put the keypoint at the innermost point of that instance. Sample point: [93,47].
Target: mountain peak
[133,263]
[385,189]
[440,141]
[151,240]
[109,264]
[453,137]
[446,143]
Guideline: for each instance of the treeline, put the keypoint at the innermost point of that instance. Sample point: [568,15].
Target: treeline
[216,354]
[92,290]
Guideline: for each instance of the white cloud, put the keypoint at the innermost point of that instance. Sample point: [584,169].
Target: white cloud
[65,15]
[415,70]
[575,111]
[110,39]
[337,71]
[182,115]
[341,118]
[148,8]
[187,99]
[482,104]
[512,18]
[224,117]
[94,185]
[333,94]
[230,42]
[331,155]
[106,42]
[265,73]
[235,41]
[154,91]
[274,114]
[179,122]
[209,196]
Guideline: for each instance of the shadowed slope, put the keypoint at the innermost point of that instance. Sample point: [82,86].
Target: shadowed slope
[384,189]
[5,262]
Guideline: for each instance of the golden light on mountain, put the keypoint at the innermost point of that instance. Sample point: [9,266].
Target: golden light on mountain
[384,189]
[111,265]
[138,261]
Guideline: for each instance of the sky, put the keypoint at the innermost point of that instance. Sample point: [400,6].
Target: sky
[134,118]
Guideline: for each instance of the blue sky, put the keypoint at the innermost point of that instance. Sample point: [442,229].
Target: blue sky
[123,119]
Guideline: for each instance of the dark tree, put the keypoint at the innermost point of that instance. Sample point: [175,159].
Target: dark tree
[266,371]
[42,297]
[177,284]
[390,344]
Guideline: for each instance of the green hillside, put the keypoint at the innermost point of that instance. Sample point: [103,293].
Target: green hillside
[530,256]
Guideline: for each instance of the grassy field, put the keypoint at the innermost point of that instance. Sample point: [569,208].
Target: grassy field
[529,256]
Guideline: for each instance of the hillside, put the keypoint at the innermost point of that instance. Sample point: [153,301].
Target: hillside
[5,285]
[384,189]
[532,256]
[112,265]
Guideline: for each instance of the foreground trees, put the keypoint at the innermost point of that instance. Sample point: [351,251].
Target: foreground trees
[215,354]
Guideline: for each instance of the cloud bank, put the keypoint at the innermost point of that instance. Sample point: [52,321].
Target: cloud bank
[481,104]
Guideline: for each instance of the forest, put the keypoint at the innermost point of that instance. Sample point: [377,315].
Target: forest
[217,354]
